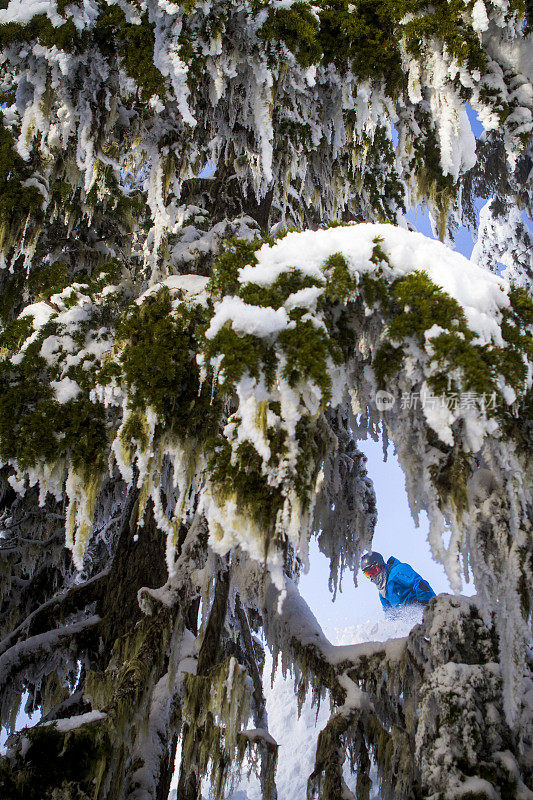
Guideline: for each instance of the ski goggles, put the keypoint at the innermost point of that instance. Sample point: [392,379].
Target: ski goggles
[372,570]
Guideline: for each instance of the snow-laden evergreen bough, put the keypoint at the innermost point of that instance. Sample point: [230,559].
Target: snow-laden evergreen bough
[183,384]
[223,397]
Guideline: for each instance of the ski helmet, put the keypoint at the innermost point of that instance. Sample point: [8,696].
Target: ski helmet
[372,563]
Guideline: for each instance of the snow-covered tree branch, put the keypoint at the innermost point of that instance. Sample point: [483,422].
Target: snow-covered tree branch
[188,358]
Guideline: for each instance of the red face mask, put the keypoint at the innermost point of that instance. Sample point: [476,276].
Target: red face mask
[372,570]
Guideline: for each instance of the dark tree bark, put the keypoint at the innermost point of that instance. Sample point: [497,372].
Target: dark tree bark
[139,561]
[126,661]
[189,783]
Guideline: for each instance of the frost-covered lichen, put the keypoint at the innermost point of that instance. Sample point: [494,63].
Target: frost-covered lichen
[55,759]
[216,708]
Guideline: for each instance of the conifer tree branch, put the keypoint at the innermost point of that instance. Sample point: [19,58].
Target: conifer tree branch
[19,655]
[58,607]
[260,709]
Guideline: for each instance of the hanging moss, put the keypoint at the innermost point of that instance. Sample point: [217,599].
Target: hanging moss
[21,216]
[136,657]
[17,201]
[11,294]
[241,477]
[426,166]
[159,369]
[215,709]
[380,181]
[387,362]
[134,45]
[525,558]
[313,442]
[55,761]
[451,480]
[293,130]
[519,426]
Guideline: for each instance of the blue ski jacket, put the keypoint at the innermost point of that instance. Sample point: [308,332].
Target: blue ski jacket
[404,586]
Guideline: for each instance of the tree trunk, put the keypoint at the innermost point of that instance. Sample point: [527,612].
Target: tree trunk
[189,784]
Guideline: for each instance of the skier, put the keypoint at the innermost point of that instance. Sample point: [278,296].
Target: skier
[399,585]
